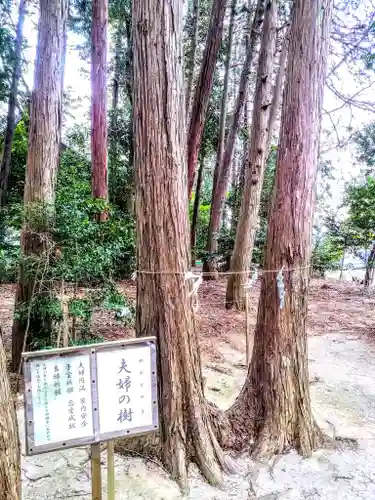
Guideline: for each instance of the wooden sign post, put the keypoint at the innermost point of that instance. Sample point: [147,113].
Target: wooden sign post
[96,473]
[111,488]
[86,395]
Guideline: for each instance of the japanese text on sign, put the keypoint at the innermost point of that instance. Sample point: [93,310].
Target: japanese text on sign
[61,383]
[125,389]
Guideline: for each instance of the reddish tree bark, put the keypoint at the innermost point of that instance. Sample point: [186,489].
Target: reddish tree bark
[224,102]
[203,88]
[274,406]
[191,63]
[218,197]
[42,163]
[264,119]
[10,453]
[11,117]
[99,99]
[164,304]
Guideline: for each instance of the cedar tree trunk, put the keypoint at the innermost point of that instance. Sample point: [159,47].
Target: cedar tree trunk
[191,62]
[10,456]
[274,406]
[42,164]
[277,91]
[224,102]
[11,117]
[203,87]
[99,100]
[254,174]
[164,305]
[218,198]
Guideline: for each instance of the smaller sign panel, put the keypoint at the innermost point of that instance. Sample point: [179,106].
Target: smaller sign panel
[61,399]
[126,393]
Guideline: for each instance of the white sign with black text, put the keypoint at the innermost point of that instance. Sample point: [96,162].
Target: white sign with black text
[61,401]
[125,389]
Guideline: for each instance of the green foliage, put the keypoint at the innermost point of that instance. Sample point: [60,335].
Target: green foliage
[202,226]
[48,311]
[326,255]
[265,204]
[91,251]
[360,199]
[365,142]
[9,256]
[6,50]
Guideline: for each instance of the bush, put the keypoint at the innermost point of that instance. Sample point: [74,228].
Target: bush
[91,251]
[326,256]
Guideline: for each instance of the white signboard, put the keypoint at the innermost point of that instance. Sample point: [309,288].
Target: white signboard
[125,389]
[84,395]
[61,399]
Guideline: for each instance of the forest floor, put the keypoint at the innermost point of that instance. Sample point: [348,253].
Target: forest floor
[341,327]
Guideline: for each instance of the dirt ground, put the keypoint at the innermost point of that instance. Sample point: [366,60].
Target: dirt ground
[341,327]
[333,307]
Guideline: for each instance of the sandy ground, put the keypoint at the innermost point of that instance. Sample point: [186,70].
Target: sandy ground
[342,371]
[342,374]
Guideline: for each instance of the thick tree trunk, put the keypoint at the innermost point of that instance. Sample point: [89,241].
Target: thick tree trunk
[370,268]
[203,87]
[218,197]
[42,163]
[191,62]
[164,305]
[11,117]
[274,406]
[194,221]
[99,100]
[264,117]
[10,456]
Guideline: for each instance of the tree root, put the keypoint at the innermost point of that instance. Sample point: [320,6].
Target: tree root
[201,446]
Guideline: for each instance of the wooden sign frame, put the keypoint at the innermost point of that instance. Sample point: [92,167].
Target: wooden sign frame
[91,351]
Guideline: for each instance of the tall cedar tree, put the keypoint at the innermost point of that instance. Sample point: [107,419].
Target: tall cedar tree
[190,63]
[224,102]
[222,128]
[42,163]
[274,406]
[257,157]
[275,106]
[99,130]
[203,87]
[220,187]
[164,306]
[10,456]
[11,117]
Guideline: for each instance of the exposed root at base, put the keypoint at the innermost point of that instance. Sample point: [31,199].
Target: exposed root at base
[202,448]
